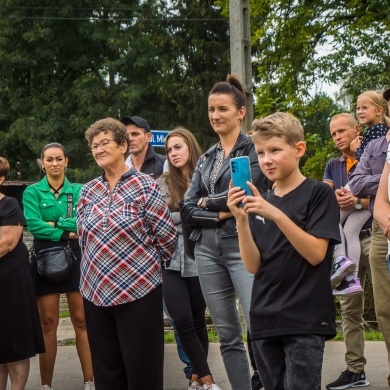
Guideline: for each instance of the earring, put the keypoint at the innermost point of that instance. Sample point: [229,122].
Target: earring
[65,169]
[44,170]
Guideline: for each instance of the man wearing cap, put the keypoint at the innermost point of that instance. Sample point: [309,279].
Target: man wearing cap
[142,156]
[144,159]
[364,182]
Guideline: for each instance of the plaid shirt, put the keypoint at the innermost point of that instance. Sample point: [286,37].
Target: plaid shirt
[124,235]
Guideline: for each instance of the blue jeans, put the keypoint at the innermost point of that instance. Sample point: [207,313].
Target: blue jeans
[290,362]
[180,351]
[222,275]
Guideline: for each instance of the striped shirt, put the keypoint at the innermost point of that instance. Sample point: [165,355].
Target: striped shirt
[124,236]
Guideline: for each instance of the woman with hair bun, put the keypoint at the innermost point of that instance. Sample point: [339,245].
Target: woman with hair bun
[50,211]
[221,272]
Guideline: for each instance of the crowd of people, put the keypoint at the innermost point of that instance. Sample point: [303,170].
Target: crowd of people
[118,247]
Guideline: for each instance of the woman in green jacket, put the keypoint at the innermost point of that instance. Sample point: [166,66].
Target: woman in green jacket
[50,213]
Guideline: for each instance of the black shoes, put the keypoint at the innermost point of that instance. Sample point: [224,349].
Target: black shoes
[348,380]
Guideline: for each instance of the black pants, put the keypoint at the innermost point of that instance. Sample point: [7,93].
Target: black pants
[185,303]
[127,343]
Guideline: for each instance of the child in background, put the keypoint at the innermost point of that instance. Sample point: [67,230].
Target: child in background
[286,239]
[371,111]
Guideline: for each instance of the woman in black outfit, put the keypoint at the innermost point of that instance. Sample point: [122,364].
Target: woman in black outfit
[20,328]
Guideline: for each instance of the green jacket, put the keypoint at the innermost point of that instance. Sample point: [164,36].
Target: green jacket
[40,206]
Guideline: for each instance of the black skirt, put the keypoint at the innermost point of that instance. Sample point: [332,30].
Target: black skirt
[45,287]
[20,328]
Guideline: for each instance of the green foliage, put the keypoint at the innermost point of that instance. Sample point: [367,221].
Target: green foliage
[298,45]
[314,165]
[65,65]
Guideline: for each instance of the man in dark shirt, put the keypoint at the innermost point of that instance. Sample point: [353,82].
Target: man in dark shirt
[344,129]
[142,156]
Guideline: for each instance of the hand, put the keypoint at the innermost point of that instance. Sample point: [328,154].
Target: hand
[257,205]
[51,223]
[224,215]
[73,236]
[345,198]
[386,232]
[234,197]
[356,143]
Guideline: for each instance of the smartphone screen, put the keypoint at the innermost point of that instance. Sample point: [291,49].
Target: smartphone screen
[241,173]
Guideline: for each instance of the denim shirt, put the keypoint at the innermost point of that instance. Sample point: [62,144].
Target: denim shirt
[365,179]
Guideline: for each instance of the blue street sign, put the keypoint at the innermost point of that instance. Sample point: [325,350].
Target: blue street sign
[158,137]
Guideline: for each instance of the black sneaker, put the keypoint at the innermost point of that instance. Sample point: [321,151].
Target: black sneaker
[256,382]
[348,380]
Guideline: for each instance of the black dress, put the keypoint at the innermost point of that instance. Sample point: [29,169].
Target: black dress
[20,328]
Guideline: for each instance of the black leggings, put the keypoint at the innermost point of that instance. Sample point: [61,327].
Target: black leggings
[186,306]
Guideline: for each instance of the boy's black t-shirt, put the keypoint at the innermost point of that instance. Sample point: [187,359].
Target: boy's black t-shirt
[290,296]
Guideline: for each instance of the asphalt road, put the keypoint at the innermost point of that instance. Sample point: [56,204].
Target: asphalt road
[68,376]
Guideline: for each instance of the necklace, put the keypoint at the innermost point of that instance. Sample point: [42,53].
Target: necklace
[56,191]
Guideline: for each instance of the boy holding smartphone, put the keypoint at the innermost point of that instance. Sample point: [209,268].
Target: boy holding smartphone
[286,239]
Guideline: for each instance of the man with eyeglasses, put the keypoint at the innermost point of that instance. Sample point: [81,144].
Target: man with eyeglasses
[142,155]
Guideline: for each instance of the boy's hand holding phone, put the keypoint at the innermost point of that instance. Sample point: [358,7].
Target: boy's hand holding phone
[235,198]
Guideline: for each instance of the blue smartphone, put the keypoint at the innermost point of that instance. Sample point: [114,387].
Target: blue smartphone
[240,170]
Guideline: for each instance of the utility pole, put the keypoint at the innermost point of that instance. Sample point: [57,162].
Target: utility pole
[240,50]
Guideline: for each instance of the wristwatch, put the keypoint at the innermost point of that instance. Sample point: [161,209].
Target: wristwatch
[202,202]
[358,204]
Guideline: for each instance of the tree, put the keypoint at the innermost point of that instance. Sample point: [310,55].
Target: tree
[288,35]
[299,44]
[66,64]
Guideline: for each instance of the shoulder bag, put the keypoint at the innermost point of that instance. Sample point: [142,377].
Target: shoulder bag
[56,263]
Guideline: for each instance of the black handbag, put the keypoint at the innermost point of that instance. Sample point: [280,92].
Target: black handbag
[56,263]
[189,245]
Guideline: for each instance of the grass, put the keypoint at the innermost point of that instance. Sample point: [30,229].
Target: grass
[64,314]
[169,337]
[369,335]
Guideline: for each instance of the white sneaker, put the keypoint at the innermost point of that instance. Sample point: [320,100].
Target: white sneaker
[211,386]
[46,387]
[195,386]
[90,385]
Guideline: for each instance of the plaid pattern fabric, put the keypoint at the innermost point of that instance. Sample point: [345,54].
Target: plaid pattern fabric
[124,235]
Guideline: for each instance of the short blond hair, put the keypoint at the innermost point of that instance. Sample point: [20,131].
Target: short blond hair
[348,117]
[281,125]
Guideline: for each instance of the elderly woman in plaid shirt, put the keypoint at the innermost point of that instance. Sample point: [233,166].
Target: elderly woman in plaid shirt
[125,231]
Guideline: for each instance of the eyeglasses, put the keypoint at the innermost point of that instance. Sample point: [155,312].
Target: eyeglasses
[103,144]
[363,108]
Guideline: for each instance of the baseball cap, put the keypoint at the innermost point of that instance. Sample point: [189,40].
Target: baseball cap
[386,94]
[136,120]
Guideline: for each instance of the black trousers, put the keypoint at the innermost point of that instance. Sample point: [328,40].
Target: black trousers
[127,343]
[185,303]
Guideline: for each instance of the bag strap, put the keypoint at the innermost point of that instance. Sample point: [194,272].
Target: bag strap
[70,205]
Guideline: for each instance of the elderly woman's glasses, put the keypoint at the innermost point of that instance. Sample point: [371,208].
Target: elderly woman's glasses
[103,144]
